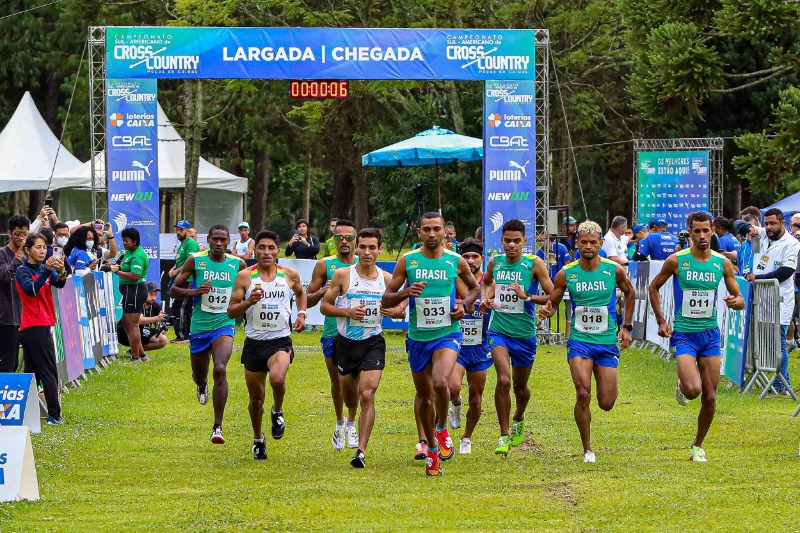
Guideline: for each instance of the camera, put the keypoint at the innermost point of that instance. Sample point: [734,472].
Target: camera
[170,320]
[683,239]
[105,268]
[419,191]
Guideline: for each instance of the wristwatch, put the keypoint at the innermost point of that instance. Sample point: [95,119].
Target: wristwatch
[529,298]
[629,327]
[302,312]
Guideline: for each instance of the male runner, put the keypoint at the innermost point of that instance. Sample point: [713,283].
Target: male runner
[434,334]
[211,331]
[359,350]
[475,356]
[592,346]
[697,272]
[509,290]
[344,236]
[263,293]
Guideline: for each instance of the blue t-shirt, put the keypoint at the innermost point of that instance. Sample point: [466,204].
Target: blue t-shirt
[728,243]
[561,256]
[79,259]
[658,246]
[744,260]
[601,253]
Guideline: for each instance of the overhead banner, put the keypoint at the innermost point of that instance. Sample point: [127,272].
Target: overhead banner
[319,53]
[671,185]
[132,163]
[509,160]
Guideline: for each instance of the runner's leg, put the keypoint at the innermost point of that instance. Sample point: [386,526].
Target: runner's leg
[443,362]
[476,382]
[367,386]
[519,378]
[221,350]
[278,366]
[502,391]
[581,370]
[424,385]
[256,383]
[709,374]
[691,385]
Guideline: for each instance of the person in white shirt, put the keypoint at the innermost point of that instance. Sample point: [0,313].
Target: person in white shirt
[615,243]
[777,260]
[244,248]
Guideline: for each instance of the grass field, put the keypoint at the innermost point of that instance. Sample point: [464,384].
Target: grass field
[135,456]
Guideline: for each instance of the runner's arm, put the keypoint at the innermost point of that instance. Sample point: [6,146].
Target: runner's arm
[541,274]
[734,299]
[394,289]
[238,305]
[300,298]
[559,288]
[630,295]
[177,290]
[473,289]
[250,249]
[399,310]
[317,287]
[329,307]
[669,269]
[487,284]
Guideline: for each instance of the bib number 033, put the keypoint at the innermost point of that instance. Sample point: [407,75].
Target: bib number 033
[433,312]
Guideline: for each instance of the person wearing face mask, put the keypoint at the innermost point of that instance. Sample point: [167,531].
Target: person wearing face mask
[10,305]
[79,250]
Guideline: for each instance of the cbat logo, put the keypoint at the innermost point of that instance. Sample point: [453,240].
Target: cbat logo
[495,120]
[131,141]
[116,119]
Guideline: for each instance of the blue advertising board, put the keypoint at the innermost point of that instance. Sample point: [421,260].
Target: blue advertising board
[388,322]
[509,160]
[19,403]
[735,332]
[320,53]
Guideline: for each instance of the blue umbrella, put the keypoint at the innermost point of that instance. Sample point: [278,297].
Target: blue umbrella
[430,147]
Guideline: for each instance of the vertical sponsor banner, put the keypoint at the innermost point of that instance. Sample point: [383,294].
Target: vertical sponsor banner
[667,307]
[389,322]
[84,322]
[132,162]
[58,340]
[102,314]
[111,312]
[671,185]
[95,327]
[71,329]
[509,160]
[734,329]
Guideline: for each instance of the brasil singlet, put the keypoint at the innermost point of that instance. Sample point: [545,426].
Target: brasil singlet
[430,312]
[594,302]
[332,264]
[695,289]
[270,318]
[366,292]
[210,311]
[513,317]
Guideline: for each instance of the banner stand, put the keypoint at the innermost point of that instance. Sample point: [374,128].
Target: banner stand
[18,479]
[19,401]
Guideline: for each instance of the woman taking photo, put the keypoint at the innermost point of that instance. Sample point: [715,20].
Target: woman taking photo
[132,271]
[34,281]
[302,244]
[79,250]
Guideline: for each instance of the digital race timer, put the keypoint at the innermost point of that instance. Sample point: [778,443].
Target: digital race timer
[318,89]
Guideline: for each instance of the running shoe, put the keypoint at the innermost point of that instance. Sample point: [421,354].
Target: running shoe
[179,341]
[465,446]
[278,425]
[421,451]
[53,421]
[503,445]
[202,394]
[352,436]
[455,416]
[589,457]
[260,449]
[679,396]
[446,448]
[216,435]
[517,432]
[698,454]
[144,359]
[338,437]
[432,466]
[358,460]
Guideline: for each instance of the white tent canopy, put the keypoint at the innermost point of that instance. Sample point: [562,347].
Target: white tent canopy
[28,150]
[220,194]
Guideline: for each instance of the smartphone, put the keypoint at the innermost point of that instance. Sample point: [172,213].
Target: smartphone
[297,233]
[58,253]
[98,227]
[48,202]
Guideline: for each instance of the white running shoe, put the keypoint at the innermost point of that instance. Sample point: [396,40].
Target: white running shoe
[698,455]
[352,436]
[455,416]
[679,396]
[589,457]
[465,446]
[338,437]
[202,394]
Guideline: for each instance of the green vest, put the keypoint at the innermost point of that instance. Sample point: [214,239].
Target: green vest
[513,317]
[695,289]
[430,312]
[332,264]
[210,310]
[594,302]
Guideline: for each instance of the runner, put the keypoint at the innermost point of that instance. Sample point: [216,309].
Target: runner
[359,350]
[696,273]
[244,248]
[434,335]
[475,357]
[211,332]
[511,280]
[263,294]
[592,345]
[344,235]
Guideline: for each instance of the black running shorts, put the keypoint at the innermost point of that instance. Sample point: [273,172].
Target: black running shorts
[256,353]
[351,357]
[133,298]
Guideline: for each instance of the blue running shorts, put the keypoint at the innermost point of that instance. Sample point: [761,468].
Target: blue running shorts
[420,353]
[200,342]
[475,358]
[522,351]
[601,354]
[696,343]
[327,347]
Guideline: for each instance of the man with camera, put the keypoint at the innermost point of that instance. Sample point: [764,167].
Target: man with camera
[152,323]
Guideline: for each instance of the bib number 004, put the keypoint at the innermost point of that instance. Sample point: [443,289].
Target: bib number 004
[372,312]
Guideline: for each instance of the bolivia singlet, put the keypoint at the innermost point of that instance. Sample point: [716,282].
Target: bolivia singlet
[271,317]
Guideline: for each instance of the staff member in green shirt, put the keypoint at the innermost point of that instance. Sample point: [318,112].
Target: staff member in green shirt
[132,272]
[182,307]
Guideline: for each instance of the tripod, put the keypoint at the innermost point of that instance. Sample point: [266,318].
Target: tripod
[419,192]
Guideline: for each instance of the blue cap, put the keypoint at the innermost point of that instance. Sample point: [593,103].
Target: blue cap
[183,224]
[638,227]
[661,222]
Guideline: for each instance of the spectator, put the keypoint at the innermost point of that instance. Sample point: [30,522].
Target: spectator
[479,234]
[569,227]
[191,232]
[151,324]
[61,232]
[44,218]
[639,233]
[558,256]
[244,247]
[79,250]
[132,271]
[33,279]
[182,307]
[659,244]
[778,260]
[303,245]
[744,259]
[795,225]
[728,245]
[451,242]
[330,246]
[614,242]
[10,305]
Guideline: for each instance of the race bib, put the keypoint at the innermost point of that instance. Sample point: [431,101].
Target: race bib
[268,316]
[372,312]
[472,331]
[591,319]
[433,312]
[697,304]
[216,301]
[507,301]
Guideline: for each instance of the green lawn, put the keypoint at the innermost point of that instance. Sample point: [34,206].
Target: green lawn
[135,456]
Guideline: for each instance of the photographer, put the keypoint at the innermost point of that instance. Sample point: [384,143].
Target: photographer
[152,323]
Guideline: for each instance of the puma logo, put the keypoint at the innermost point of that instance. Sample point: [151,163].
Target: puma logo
[146,168]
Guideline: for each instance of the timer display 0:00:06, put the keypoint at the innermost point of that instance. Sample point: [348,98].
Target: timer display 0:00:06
[319,89]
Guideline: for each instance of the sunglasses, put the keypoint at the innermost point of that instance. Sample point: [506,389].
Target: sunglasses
[18,233]
[340,238]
